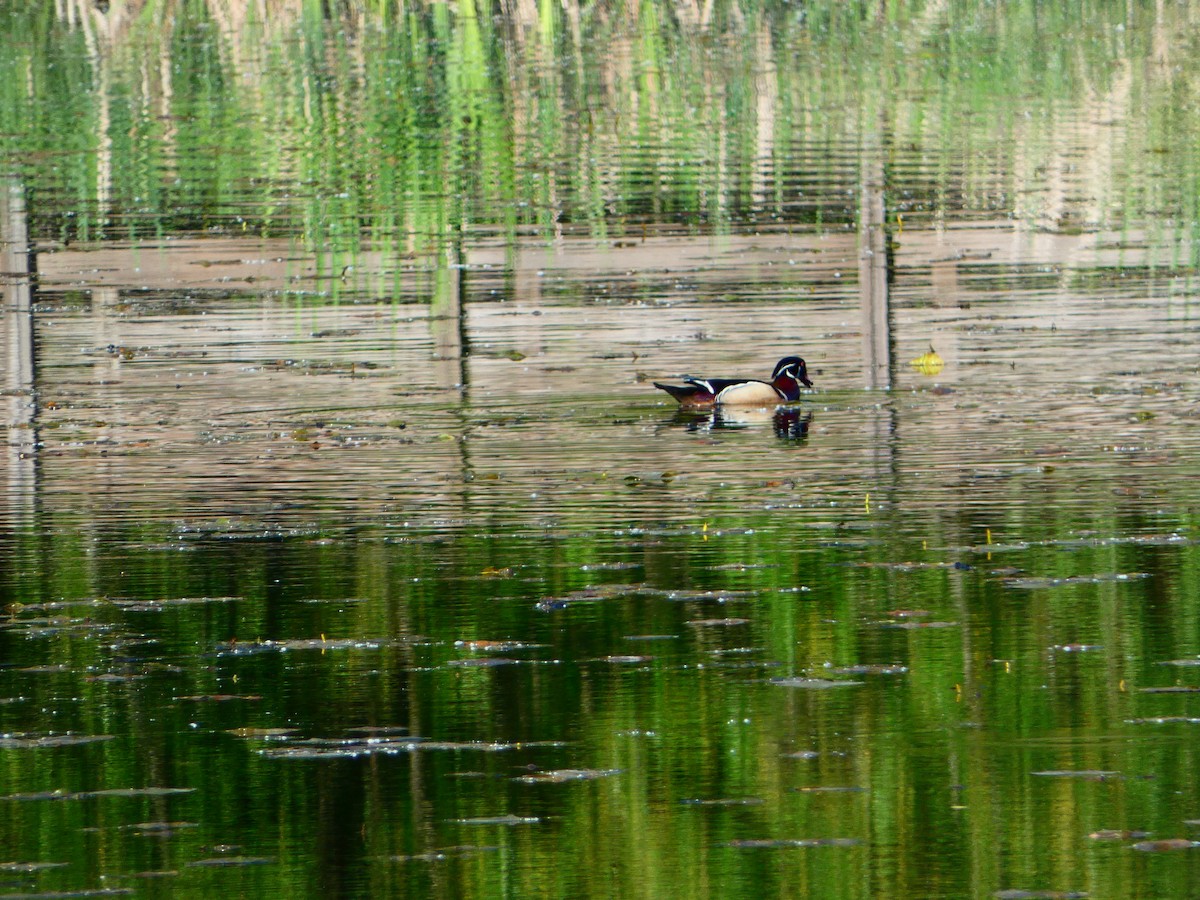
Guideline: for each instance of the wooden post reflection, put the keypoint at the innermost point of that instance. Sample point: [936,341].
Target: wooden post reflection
[446,321]
[17,268]
[873,274]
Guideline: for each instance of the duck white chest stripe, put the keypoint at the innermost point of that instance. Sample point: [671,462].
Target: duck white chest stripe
[750,392]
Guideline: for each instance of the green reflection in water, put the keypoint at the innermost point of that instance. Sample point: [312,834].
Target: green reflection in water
[299,748]
[399,130]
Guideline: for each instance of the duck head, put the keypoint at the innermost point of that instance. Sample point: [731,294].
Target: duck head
[790,372]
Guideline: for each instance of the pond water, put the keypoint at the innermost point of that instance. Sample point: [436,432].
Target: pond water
[348,549]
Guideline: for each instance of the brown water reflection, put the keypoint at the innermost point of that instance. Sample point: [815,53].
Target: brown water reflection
[178,392]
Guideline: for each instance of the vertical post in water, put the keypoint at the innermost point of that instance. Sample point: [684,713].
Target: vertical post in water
[17,269]
[447,314]
[873,269]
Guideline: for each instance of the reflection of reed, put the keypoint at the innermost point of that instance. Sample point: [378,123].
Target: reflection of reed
[608,122]
[601,116]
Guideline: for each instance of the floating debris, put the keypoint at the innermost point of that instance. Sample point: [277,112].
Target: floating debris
[866,669]
[1018,894]
[717,623]
[1164,720]
[130,605]
[1166,845]
[1085,774]
[324,644]
[113,678]
[22,741]
[497,572]
[89,795]
[64,895]
[814,684]
[139,792]
[914,626]
[830,789]
[1039,583]
[497,820]
[1113,834]
[218,698]
[498,646]
[444,853]
[27,868]
[723,801]
[351,748]
[324,751]
[680,596]
[782,843]
[929,363]
[1150,540]
[595,594]
[230,861]
[1171,689]
[651,637]
[484,662]
[748,664]
[562,776]
[154,873]
[266,734]
[245,648]
[159,827]
[911,566]
[624,660]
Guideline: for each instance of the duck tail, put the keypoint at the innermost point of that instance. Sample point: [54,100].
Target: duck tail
[681,392]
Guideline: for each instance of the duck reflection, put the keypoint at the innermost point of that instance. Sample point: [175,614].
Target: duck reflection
[788,423]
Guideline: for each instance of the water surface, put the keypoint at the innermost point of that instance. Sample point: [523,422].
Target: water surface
[348,549]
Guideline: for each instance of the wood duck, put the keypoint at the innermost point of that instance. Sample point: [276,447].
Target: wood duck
[784,387]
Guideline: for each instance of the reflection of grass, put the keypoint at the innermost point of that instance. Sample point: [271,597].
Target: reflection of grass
[403,129]
[198,743]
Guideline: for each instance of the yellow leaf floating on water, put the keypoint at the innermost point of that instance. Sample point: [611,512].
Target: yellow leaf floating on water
[928,363]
